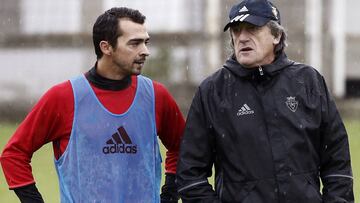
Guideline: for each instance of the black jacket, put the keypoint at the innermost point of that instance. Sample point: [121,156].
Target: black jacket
[271,132]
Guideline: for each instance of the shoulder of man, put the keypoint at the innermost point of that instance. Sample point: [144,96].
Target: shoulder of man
[59,93]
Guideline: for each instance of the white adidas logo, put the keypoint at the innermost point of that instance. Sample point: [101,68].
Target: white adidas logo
[243,9]
[244,110]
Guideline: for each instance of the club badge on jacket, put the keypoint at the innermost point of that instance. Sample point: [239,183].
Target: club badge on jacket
[291,103]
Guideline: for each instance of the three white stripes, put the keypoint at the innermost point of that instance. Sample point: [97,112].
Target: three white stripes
[245,107]
[240,17]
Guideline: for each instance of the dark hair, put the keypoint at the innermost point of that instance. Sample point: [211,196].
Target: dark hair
[106,26]
[276,29]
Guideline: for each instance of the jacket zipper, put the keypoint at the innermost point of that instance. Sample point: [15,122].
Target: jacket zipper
[261,70]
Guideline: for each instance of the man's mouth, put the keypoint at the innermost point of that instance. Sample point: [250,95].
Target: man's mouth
[245,49]
[140,62]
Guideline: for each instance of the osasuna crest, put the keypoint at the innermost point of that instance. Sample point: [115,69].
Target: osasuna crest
[291,103]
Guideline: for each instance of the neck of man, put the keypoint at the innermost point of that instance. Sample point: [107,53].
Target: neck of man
[107,69]
[104,83]
[268,60]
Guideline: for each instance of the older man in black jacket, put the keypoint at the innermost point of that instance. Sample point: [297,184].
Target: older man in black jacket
[267,124]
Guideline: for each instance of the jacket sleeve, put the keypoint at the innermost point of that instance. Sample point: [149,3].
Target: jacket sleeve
[196,156]
[29,194]
[335,169]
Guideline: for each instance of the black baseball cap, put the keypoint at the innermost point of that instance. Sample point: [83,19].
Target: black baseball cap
[256,12]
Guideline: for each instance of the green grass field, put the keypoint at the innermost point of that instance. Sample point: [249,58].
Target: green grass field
[46,177]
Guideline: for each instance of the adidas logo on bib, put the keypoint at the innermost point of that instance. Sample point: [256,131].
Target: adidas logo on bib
[120,143]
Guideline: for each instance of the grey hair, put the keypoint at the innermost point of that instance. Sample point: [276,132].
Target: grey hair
[276,30]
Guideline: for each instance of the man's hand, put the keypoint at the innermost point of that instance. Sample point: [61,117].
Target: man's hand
[169,192]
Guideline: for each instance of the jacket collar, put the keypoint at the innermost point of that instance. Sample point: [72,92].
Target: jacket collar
[278,64]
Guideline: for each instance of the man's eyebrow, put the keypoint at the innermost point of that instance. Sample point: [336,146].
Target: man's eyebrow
[139,39]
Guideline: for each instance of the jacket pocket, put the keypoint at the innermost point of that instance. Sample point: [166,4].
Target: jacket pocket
[314,183]
[237,191]
[304,188]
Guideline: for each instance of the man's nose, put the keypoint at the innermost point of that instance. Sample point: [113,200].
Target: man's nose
[144,50]
[244,35]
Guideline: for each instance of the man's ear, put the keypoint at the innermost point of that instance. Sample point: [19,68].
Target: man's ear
[106,48]
[276,40]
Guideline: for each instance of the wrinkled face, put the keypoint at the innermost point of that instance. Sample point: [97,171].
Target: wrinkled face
[131,49]
[253,45]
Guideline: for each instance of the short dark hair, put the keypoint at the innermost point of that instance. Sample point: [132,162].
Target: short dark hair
[106,26]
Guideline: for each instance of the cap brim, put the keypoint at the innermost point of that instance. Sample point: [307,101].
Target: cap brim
[255,20]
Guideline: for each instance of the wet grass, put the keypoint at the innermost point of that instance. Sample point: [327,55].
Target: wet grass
[46,178]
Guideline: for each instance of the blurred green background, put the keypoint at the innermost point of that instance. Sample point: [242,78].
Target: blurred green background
[46,177]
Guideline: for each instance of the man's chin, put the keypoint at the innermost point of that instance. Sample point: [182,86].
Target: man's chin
[246,64]
[136,72]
